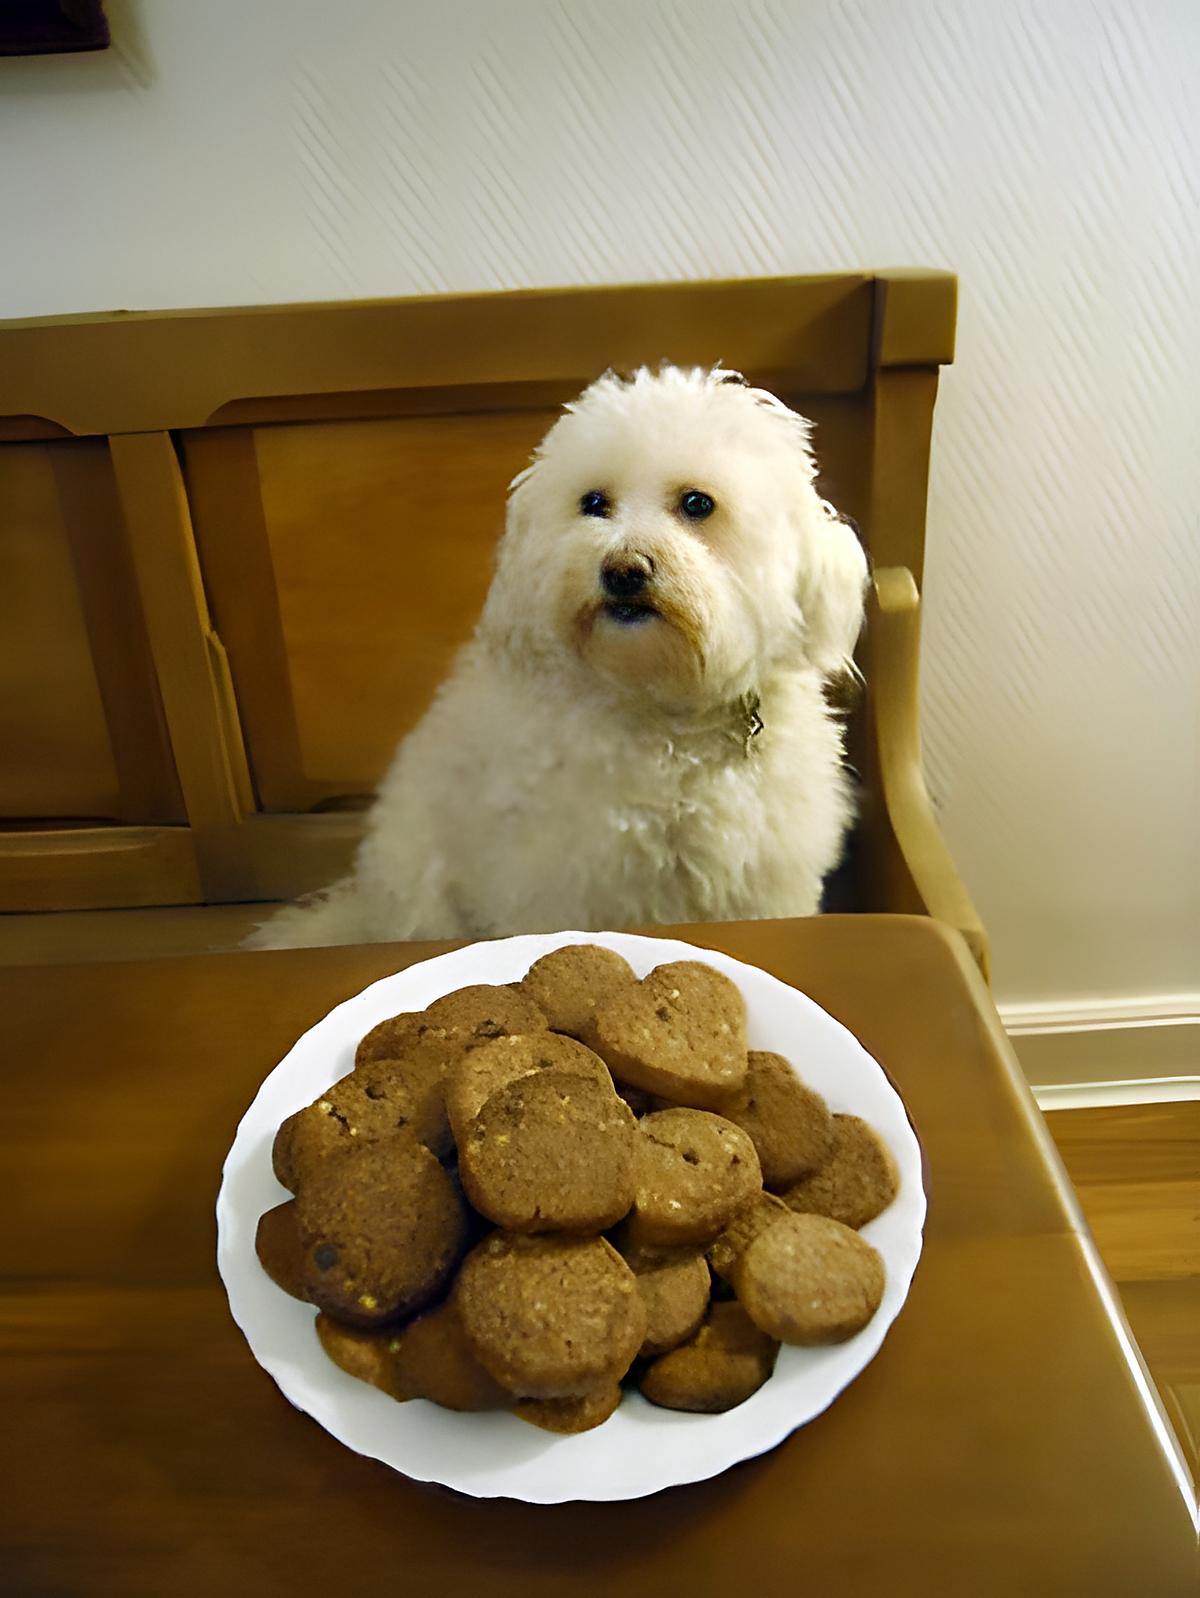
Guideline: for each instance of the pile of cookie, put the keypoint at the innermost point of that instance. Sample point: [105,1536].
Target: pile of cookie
[527,1195]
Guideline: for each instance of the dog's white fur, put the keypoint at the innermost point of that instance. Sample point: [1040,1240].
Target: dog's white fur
[577,770]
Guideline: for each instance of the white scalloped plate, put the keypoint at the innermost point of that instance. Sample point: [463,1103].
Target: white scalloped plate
[641,1449]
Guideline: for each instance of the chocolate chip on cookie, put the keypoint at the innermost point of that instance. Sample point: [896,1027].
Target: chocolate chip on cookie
[726,1361]
[808,1279]
[680,1033]
[550,1152]
[788,1123]
[568,983]
[855,1184]
[550,1317]
[693,1172]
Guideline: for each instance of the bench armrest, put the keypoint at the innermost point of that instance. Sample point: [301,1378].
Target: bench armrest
[913,866]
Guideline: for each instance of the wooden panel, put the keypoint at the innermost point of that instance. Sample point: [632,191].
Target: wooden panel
[57,758]
[112,611]
[345,564]
[166,370]
[841,442]
[80,719]
[233,546]
[191,663]
[290,855]
[382,541]
[19,429]
[97,868]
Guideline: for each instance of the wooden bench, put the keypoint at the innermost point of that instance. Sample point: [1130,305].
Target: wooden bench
[242,546]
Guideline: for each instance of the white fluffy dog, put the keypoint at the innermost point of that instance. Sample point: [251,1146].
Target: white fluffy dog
[637,732]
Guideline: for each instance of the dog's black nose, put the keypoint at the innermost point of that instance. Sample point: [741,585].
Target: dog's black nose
[623,582]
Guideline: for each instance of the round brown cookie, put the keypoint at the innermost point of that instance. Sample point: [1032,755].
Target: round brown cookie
[382,1227]
[726,1361]
[788,1123]
[377,1099]
[856,1183]
[415,1083]
[370,1356]
[282,1162]
[807,1279]
[674,1284]
[484,1011]
[693,1172]
[434,1360]
[550,1152]
[393,1038]
[277,1244]
[462,1018]
[570,1415]
[567,984]
[680,1033]
[550,1317]
[475,1076]
[763,1210]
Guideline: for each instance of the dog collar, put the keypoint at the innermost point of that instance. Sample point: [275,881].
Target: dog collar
[749,722]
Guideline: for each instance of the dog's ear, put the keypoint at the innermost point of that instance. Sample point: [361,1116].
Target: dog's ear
[832,587]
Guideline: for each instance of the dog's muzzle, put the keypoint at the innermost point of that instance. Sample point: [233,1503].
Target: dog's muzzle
[625,580]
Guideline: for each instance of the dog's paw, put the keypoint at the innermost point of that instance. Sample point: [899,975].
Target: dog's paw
[315,921]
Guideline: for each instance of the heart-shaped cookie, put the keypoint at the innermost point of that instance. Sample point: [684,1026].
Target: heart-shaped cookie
[681,1033]
[567,984]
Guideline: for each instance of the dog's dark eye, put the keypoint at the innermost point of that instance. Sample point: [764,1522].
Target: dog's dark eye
[696,505]
[594,503]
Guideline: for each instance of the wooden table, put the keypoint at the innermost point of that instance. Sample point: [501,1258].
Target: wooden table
[1005,1440]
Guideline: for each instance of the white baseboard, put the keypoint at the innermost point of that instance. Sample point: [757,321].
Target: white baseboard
[1081,1015]
[1123,1051]
[1097,1095]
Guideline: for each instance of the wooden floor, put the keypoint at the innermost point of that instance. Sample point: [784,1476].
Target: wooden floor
[1136,1169]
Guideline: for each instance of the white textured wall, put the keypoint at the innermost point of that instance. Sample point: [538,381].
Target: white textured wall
[253,150]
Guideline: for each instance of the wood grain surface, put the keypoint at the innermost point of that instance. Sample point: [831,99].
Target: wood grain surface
[1000,1441]
[1136,1169]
